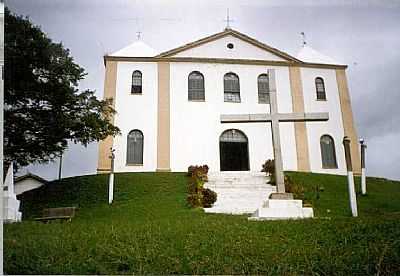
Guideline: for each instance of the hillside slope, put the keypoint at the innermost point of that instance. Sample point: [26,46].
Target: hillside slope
[150,229]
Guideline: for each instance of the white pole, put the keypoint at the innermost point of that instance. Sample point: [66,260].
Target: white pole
[111,178]
[111,188]
[350,178]
[363,182]
[352,194]
[363,176]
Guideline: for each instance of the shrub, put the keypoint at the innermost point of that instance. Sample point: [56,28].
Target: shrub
[198,176]
[209,197]
[269,168]
[191,169]
[294,188]
[194,200]
[198,172]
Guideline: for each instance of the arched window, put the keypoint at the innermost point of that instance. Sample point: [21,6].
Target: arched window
[233,136]
[196,86]
[320,88]
[135,147]
[328,154]
[263,88]
[231,88]
[136,82]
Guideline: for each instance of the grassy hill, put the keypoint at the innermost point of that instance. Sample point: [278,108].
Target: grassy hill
[150,229]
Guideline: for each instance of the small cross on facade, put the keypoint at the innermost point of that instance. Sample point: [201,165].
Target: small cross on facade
[138,35]
[274,117]
[228,20]
[303,35]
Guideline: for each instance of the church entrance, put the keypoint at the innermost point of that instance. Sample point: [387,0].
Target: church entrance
[233,151]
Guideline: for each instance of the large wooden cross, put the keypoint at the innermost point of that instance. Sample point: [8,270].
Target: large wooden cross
[275,118]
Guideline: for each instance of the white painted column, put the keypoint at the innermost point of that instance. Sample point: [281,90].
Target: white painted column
[10,203]
[111,178]
[111,188]
[350,177]
[363,176]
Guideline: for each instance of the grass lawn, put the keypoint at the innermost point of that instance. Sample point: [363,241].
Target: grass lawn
[150,229]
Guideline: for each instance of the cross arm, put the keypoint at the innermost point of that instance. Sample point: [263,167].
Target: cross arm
[243,118]
[303,117]
[281,117]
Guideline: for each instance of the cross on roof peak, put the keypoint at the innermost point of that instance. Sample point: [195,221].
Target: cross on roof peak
[303,35]
[138,35]
[228,20]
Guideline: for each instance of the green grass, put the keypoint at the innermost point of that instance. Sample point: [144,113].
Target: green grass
[150,229]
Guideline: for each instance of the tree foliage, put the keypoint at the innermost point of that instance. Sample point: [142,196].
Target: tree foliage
[44,108]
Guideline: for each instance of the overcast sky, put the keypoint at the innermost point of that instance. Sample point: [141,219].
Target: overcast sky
[363,34]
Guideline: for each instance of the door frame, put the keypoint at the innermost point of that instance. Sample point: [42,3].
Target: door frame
[248,151]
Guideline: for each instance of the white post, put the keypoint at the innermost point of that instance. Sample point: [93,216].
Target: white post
[352,194]
[111,178]
[9,181]
[363,176]
[350,178]
[111,188]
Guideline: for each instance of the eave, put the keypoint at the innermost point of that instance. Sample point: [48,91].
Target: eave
[225,61]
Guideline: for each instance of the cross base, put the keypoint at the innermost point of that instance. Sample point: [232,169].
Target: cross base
[283,196]
[282,209]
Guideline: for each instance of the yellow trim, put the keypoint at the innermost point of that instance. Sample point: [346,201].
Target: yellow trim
[110,82]
[225,61]
[300,130]
[347,117]
[163,128]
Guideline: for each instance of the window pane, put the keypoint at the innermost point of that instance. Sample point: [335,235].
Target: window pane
[135,147]
[231,88]
[233,135]
[263,89]
[232,97]
[320,88]
[136,82]
[328,154]
[196,86]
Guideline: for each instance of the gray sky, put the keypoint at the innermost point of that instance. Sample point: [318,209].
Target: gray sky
[363,34]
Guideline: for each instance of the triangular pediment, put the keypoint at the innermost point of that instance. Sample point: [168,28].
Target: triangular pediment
[229,44]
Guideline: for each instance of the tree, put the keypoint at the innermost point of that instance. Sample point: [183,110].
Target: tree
[43,107]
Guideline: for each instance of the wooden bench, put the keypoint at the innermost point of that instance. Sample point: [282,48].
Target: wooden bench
[64,213]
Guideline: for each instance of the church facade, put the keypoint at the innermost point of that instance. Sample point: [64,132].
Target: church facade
[169,106]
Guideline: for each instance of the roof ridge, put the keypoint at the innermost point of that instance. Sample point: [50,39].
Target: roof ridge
[27,175]
[229,31]
[139,46]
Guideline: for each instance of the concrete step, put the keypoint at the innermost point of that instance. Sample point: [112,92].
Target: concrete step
[238,192]
[235,175]
[282,209]
[238,185]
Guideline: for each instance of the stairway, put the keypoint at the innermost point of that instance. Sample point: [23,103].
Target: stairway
[238,192]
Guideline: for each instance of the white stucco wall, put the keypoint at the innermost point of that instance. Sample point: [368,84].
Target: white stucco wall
[26,185]
[136,112]
[218,49]
[196,127]
[333,127]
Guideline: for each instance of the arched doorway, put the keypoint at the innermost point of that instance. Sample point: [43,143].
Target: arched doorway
[233,151]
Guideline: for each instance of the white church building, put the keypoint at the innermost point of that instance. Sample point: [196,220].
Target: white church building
[169,107]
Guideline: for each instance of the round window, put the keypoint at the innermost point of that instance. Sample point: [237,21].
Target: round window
[230,45]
